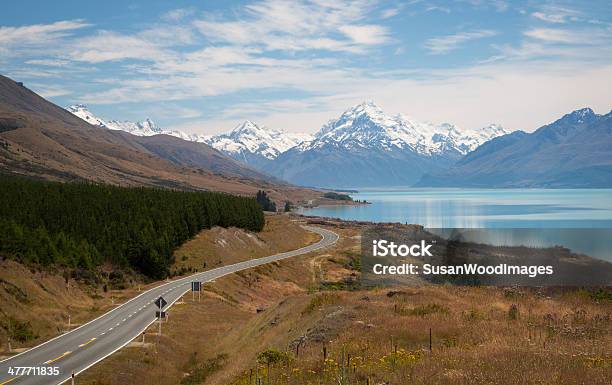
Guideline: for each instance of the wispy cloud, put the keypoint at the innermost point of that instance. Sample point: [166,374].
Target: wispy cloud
[110,46]
[149,44]
[298,26]
[553,35]
[301,62]
[177,14]
[585,37]
[498,5]
[37,35]
[50,91]
[366,34]
[48,62]
[445,44]
[389,12]
[432,8]
[556,14]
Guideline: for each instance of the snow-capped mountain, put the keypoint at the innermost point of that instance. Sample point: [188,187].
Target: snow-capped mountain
[573,151]
[249,143]
[83,112]
[367,147]
[256,145]
[363,147]
[173,145]
[367,126]
[143,128]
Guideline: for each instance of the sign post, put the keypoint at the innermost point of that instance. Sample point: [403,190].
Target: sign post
[196,286]
[160,302]
[10,348]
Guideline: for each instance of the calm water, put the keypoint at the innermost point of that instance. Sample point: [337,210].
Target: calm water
[580,219]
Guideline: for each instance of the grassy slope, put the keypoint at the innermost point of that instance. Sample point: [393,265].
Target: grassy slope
[556,338]
[226,321]
[46,141]
[221,246]
[43,298]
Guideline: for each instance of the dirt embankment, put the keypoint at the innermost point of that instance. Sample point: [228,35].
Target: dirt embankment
[37,304]
[220,246]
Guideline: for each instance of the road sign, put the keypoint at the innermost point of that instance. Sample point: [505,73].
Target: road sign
[196,286]
[160,302]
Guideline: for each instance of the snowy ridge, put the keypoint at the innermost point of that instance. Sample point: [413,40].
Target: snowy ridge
[366,126]
[82,112]
[248,137]
[143,128]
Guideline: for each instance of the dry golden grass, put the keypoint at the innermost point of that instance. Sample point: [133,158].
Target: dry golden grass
[236,310]
[561,338]
[555,338]
[43,299]
[220,246]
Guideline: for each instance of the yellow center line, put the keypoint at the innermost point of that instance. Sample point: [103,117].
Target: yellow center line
[11,380]
[57,358]
[88,342]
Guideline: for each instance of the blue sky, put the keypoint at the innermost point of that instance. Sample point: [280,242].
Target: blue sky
[205,66]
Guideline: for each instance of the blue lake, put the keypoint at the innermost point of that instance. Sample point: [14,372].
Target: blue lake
[580,219]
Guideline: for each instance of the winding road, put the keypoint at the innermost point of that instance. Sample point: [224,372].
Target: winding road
[83,347]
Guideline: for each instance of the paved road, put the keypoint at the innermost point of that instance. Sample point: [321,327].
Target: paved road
[90,343]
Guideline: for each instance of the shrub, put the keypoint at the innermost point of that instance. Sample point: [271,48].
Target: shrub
[337,197]
[264,201]
[513,312]
[20,331]
[198,373]
[423,310]
[320,300]
[273,357]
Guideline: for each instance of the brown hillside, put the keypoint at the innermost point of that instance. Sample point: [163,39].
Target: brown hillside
[38,138]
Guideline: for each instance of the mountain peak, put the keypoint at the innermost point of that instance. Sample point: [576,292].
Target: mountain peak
[77,107]
[250,142]
[146,127]
[366,126]
[149,125]
[246,126]
[367,106]
[369,103]
[583,115]
[583,112]
[83,112]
